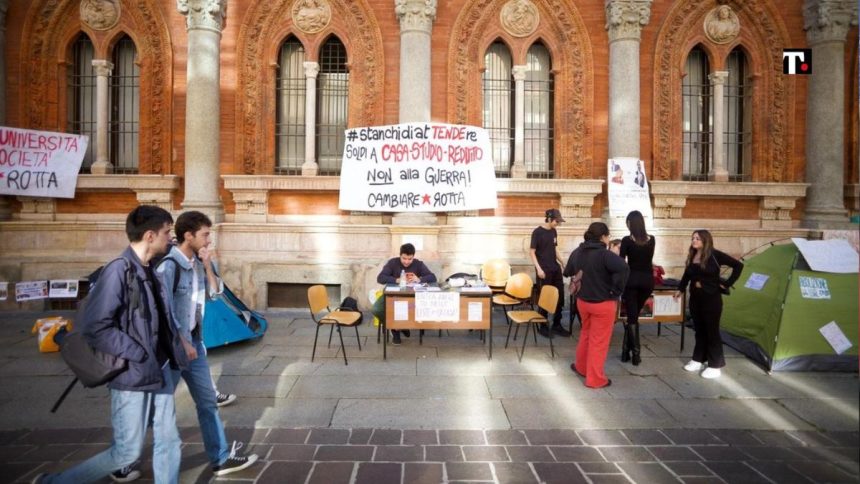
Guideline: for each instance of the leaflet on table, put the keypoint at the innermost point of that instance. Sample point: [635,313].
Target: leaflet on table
[478,289]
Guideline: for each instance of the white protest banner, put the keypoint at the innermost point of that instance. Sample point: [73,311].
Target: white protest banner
[63,288]
[627,187]
[417,167]
[40,163]
[25,291]
[834,255]
[437,306]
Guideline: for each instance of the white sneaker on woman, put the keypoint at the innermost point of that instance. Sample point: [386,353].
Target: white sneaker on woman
[711,373]
[693,366]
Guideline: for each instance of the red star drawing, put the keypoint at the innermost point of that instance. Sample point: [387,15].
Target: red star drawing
[425,199]
[1,174]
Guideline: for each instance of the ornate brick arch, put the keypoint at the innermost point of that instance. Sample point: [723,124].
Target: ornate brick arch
[43,36]
[264,25]
[563,33]
[762,37]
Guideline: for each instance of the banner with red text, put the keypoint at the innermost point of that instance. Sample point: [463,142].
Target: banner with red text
[40,163]
[417,167]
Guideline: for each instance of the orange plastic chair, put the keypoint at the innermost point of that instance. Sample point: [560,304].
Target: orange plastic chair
[318,302]
[547,301]
[518,290]
[495,273]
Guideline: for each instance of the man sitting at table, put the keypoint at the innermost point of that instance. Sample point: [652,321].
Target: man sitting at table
[416,272]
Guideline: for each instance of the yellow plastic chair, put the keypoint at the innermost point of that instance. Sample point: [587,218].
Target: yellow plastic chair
[318,302]
[518,290]
[495,274]
[547,301]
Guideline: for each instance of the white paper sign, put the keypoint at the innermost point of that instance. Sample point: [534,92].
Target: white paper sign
[63,288]
[627,187]
[417,167]
[401,310]
[437,306]
[835,255]
[814,288]
[666,305]
[756,281]
[40,163]
[476,311]
[834,335]
[26,291]
[4,291]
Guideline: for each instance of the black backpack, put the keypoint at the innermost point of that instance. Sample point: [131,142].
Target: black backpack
[351,304]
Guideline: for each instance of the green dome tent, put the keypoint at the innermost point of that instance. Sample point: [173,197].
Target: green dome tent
[779,325]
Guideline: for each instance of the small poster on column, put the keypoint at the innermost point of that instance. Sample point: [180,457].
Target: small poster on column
[627,187]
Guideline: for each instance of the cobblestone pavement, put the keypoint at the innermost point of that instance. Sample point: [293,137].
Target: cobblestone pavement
[441,411]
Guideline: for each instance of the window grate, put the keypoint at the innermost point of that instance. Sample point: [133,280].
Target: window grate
[538,114]
[498,106]
[290,92]
[81,98]
[697,134]
[124,127]
[332,106]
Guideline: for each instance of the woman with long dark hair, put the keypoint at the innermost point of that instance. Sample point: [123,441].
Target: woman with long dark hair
[603,277]
[706,303]
[638,250]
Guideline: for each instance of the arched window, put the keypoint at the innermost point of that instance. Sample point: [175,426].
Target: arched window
[738,108]
[290,94]
[124,134]
[81,97]
[332,106]
[499,105]
[538,127]
[696,93]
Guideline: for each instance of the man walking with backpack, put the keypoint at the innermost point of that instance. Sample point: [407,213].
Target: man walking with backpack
[125,316]
[189,276]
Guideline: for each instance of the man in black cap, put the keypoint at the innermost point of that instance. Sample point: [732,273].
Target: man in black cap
[548,263]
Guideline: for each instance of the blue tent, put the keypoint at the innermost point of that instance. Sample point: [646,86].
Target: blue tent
[227,320]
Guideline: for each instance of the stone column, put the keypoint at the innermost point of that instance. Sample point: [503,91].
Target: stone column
[5,207]
[102,164]
[204,20]
[718,171]
[310,166]
[826,23]
[624,22]
[518,170]
[416,23]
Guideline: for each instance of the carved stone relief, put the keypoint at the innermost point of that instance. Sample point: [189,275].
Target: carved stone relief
[722,25]
[100,14]
[311,16]
[519,18]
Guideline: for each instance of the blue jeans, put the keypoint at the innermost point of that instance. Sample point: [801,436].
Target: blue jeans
[130,413]
[199,382]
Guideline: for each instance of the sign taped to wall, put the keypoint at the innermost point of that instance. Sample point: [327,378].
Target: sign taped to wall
[40,163]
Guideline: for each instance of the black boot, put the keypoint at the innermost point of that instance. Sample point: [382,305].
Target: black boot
[634,344]
[625,344]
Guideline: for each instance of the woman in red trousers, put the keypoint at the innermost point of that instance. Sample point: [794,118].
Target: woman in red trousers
[604,275]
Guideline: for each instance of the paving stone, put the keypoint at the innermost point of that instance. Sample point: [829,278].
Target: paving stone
[825,413]
[285,473]
[599,467]
[688,469]
[832,454]
[450,413]
[778,472]
[558,473]
[344,452]
[9,436]
[732,413]
[736,472]
[485,453]
[576,454]
[608,479]
[12,471]
[776,438]
[105,435]
[735,436]
[288,436]
[553,437]
[514,472]
[603,413]
[673,453]
[812,438]
[525,453]
[443,453]
[603,437]
[293,452]
[85,451]
[13,453]
[49,453]
[848,439]
[331,472]
[703,480]
[690,437]
[54,436]
[626,453]
[378,473]
[360,436]
[423,473]
[769,453]
[420,437]
[719,452]
[821,471]
[399,453]
[646,437]
[647,472]
[506,437]
[462,437]
[469,471]
[386,437]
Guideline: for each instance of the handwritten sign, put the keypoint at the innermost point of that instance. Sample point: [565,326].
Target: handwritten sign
[667,306]
[814,288]
[26,291]
[40,163]
[417,167]
[437,306]
[628,187]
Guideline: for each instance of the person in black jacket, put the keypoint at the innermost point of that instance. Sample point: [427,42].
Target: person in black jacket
[603,277]
[706,303]
[638,250]
[142,332]
[414,270]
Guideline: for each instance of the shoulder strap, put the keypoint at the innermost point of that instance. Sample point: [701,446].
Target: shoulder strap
[175,270]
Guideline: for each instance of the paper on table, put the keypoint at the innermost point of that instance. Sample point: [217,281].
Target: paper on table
[834,335]
[475,311]
[666,305]
[401,310]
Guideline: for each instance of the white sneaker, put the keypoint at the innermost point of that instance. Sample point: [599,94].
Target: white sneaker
[694,366]
[711,373]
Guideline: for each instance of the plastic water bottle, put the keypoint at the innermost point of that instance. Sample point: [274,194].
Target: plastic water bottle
[402,278]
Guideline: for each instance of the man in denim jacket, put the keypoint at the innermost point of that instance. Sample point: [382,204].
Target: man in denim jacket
[189,276]
[142,333]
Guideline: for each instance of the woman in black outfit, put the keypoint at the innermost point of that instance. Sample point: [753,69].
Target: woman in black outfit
[638,250]
[706,303]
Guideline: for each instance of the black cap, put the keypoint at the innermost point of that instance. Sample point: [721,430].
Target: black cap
[554,214]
